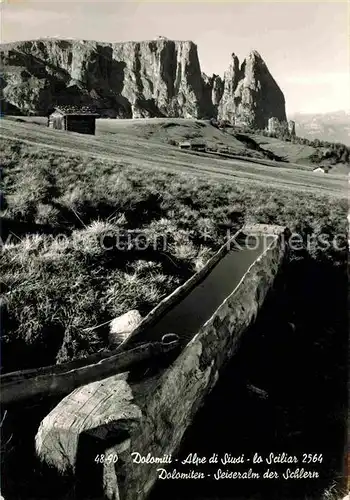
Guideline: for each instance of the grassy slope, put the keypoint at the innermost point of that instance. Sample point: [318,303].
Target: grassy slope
[134,150]
[294,153]
[176,129]
[161,130]
[168,130]
[297,155]
[53,291]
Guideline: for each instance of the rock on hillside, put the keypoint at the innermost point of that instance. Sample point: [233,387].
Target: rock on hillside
[135,79]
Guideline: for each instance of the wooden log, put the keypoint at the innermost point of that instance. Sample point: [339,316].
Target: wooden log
[94,407]
[53,384]
[264,229]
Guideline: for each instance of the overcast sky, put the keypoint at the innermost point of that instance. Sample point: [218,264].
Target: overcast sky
[305,45]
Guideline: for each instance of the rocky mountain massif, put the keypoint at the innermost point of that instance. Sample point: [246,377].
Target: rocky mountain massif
[136,79]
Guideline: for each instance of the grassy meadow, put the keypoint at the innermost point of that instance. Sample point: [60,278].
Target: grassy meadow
[67,199]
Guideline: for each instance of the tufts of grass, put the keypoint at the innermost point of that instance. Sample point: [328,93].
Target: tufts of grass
[334,492]
[54,286]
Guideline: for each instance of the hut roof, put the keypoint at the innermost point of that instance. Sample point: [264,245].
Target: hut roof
[76,110]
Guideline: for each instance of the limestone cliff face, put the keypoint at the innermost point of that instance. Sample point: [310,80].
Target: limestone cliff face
[132,79]
[135,79]
[251,95]
[213,89]
[227,107]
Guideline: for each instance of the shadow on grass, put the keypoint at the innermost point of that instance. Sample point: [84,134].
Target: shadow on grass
[251,144]
[296,353]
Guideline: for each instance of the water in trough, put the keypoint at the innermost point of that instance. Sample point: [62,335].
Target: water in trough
[189,314]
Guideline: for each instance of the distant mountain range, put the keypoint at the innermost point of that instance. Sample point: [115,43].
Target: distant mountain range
[332,127]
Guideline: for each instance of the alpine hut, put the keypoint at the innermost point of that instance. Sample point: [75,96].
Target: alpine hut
[81,119]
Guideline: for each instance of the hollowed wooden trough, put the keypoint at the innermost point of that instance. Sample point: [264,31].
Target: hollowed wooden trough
[147,408]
